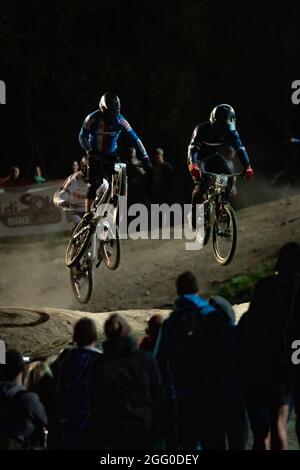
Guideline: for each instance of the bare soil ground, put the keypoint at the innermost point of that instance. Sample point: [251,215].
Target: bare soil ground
[33,275]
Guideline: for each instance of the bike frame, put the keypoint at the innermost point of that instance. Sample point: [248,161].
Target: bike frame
[114,189]
[216,191]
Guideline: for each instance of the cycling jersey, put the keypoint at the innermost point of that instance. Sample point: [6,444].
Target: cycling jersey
[206,140]
[73,192]
[100,136]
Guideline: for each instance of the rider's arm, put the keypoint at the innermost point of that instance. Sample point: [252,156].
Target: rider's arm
[61,197]
[241,152]
[194,147]
[134,139]
[86,131]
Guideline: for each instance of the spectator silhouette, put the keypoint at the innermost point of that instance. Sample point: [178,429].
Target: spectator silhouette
[75,166]
[267,334]
[38,378]
[22,415]
[136,178]
[289,173]
[288,267]
[232,422]
[71,373]
[14,178]
[127,395]
[38,177]
[160,178]
[197,352]
[148,342]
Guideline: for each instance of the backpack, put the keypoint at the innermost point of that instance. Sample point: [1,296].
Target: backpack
[195,349]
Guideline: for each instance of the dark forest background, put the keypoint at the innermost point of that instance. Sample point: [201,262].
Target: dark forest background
[170,63]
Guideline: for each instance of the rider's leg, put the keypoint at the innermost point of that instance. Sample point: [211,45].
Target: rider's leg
[88,205]
[95,178]
[73,218]
[201,186]
[109,170]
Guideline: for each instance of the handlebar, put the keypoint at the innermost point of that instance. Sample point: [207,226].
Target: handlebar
[232,175]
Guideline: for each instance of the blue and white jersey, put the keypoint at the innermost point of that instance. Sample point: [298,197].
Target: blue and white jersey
[100,136]
[206,140]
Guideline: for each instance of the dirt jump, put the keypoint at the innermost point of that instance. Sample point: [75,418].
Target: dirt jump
[37,307]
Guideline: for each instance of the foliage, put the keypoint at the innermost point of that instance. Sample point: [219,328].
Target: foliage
[239,288]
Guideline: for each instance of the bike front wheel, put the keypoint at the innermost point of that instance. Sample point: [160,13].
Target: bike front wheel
[82,281]
[78,243]
[110,248]
[224,234]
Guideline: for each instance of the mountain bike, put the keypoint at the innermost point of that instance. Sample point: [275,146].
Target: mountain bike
[219,217]
[96,239]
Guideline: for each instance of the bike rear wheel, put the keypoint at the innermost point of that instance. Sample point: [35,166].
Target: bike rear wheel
[82,281]
[111,248]
[78,243]
[224,234]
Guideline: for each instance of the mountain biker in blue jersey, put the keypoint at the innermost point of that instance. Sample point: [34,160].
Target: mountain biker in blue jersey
[207,139]
[99,138]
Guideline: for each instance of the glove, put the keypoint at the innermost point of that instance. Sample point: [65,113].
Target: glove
[195,170]
[249,173]
[147,165]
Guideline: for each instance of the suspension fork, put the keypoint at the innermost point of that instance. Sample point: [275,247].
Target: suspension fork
[211,209]
[112,186]
[94,246]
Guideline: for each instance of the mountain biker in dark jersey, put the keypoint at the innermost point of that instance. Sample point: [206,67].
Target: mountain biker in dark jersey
[99,138]
[206,140]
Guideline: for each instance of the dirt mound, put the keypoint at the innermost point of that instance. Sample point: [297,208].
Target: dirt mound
[45,332]
[39,332]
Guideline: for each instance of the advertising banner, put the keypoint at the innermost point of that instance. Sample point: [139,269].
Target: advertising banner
[26,210]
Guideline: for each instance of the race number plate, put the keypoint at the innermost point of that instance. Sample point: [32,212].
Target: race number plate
[221,180]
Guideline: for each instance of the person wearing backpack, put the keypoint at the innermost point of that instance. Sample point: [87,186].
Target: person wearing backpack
[191,353]
[71,380]
[22,415]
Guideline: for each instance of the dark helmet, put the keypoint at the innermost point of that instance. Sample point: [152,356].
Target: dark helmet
[109,104]
[84,167]
[223,116]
